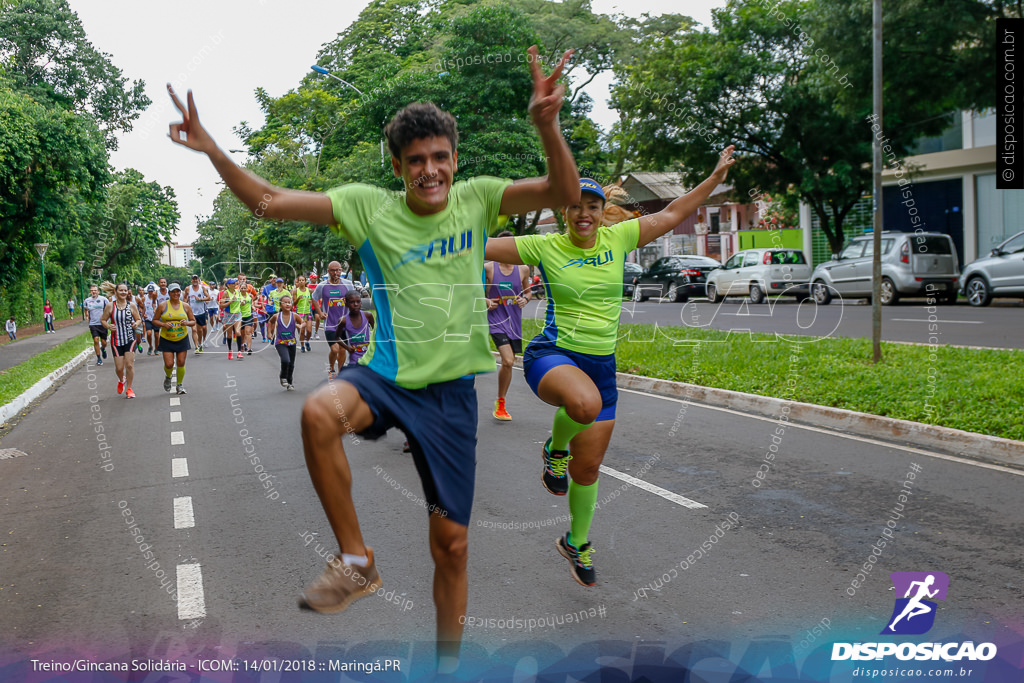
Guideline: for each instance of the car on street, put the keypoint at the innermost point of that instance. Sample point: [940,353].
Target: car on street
[1001,273]
[675,278]
[756,273]
[913,264]
[631,272]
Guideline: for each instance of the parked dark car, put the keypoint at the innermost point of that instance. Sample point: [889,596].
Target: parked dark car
[630,274]
[675,278]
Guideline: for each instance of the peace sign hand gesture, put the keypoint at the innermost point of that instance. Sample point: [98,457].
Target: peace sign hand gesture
[546,100]
[196,137]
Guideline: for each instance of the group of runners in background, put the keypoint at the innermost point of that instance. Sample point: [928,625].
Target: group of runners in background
[164,318]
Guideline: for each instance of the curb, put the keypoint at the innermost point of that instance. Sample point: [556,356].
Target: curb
[990,449]
[12,409]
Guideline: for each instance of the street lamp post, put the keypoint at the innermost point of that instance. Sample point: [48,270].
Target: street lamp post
[81,285]
[325,72]
[41,248]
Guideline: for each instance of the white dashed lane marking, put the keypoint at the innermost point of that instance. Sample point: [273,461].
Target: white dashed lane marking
[184,518]
[175,401]
[179,467]
[177,438]
[191,604]
[175,416]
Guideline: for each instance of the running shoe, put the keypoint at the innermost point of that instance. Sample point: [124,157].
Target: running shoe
[230,355]
[181,390]
[308,347]
[499,411]
[316,336]
[99,361]
[120,385]
[238,356]
[554,477]
[129,394]
[199,349]
[248,351]
[167,383]
[302,348]
[581,560]
[284,382]
[104,352]
[340,585]
[291,387]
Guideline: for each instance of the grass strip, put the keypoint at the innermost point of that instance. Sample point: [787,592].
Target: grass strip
[976,390]
[16,380]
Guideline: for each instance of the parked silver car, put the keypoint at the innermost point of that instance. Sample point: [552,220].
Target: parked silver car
[1001,273]
[756,273]
[913,264]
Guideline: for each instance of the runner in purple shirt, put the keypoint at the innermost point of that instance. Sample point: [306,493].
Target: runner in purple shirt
[357,327]
[507,292]
[329,306]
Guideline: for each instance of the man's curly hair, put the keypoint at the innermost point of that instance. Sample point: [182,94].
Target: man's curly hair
[417,121]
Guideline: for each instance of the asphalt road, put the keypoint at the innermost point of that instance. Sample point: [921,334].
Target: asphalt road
[72,579]
[997,326]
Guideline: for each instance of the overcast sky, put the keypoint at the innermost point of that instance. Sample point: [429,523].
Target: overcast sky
[224,50]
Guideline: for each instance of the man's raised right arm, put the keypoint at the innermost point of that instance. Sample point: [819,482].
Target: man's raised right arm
[262,198]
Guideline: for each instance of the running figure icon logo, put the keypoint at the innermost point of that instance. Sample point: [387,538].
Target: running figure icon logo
[914,613]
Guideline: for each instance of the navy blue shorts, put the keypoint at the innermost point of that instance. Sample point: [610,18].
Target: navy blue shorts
[541,355]
[440,422]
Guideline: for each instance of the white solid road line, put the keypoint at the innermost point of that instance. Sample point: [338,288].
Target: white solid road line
[179,467]
[656,490]
[177,438]
[191,603]
[175,401]
[184,517]
[840,435]
[175,416]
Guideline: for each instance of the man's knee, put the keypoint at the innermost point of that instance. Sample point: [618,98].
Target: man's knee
[507,362]
[451,549]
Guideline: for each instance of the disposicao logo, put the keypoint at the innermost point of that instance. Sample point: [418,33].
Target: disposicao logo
[914,614]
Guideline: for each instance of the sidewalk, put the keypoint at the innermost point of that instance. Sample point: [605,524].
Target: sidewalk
[31,341]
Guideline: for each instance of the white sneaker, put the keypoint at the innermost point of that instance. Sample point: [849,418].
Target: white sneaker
[316,336]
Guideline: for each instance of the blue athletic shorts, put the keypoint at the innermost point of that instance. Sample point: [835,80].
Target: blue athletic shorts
[440,422]
[541,355]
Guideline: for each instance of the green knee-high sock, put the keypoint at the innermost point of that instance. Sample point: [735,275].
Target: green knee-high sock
[581,507]
[563,429]
[167,371]
[181,373]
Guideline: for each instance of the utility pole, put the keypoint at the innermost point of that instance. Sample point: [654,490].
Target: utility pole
[876,201]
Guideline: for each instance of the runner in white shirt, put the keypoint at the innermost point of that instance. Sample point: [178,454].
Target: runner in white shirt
[197,296]
[95,305]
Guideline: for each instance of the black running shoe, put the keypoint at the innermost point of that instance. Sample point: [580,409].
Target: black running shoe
[580,560]
[554,477]
[104,352]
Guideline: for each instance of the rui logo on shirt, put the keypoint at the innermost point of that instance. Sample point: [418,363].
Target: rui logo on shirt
[605,258]
[442,246]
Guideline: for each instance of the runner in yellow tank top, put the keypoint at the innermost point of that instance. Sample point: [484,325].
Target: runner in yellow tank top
[173,318]
[303,298]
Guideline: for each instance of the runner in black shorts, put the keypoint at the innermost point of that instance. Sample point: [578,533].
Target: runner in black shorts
[95,306]
[413,377]
[124,321]
[507,290]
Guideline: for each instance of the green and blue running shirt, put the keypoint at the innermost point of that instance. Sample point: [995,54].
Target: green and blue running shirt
[583,286]
[427,275]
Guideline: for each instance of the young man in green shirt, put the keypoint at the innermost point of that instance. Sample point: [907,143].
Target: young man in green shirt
[423,245]
[571,363]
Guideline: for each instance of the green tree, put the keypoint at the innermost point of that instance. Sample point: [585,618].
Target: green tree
[46,55]
[53,168]
[140,218]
